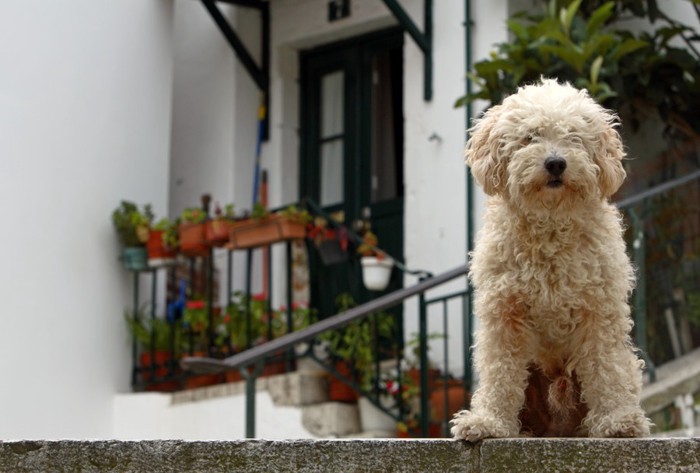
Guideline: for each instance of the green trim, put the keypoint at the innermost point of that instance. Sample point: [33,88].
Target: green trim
[424,39]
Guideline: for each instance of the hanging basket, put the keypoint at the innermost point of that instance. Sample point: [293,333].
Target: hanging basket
[331,252]
[376,272]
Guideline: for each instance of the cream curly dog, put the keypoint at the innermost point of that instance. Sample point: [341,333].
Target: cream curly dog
[550,272]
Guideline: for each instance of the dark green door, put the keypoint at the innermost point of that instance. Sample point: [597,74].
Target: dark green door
[352,150]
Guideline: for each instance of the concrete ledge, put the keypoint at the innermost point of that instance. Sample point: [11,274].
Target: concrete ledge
[508,455]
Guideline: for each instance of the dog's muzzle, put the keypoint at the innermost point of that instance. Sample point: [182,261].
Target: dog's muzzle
[555,166]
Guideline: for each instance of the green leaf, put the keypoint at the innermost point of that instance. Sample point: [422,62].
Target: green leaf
[567,15]
[595,70]
[599,17]
[629,46]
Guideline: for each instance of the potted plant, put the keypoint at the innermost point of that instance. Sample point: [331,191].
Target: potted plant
[245,321]
[162,243]
[355,348]
[192,232]
[158,342]
[219,227]
[300,315]
[376,264]
[132,226]
[264,228]
[195,319]
[331,242]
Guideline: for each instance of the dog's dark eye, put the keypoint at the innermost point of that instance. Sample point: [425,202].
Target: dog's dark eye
[530,137]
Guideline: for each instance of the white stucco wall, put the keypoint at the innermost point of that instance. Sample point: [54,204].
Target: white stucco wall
[153,416]
[84,118]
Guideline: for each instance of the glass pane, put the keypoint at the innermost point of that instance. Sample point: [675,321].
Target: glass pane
[332,104]
[386,154]
[332,172]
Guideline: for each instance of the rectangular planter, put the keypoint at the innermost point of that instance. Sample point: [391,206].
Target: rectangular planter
[272,229]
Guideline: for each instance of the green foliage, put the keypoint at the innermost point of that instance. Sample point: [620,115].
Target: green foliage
[296,214]
[259,211]
[132,225]
[171,237]
[358,342]
[193,215]
[245,316]
[301,316]
[154,333]
[227,213]
[195,317]
[585,44]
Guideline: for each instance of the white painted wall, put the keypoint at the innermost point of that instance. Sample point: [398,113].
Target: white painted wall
[148,416]
[85,94]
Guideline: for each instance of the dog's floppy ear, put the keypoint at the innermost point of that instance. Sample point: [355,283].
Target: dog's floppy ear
[609,160]
[482,152]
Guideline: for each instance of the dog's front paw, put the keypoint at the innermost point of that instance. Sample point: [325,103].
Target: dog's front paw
[623,423]
[472,427]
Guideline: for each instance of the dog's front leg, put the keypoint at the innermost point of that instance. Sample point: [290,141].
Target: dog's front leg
[611,378]
[502,363]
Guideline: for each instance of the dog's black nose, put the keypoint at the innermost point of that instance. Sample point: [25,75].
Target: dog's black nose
[555,165]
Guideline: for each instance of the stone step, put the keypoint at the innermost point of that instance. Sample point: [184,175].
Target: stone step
[253,456]
[331,419]
[298,388]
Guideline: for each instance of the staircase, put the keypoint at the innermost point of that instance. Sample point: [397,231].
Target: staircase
[293,405]
[253,456]
[673,394]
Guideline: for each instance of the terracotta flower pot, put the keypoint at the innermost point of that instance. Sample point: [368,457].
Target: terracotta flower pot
[158,253]
[339,391]
[457,399]
[192,239]
[161,359]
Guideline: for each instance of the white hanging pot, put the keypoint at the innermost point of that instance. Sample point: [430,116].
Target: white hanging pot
[376,272]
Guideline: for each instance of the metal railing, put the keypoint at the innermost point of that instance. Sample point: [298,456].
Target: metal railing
[250,362]
[664,239]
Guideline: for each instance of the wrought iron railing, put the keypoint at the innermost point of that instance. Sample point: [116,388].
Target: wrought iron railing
[399,377]
[250,362]
[664,238]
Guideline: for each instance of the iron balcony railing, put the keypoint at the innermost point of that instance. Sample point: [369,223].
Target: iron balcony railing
[250,362]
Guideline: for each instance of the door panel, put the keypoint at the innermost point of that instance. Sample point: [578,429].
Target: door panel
[352,150]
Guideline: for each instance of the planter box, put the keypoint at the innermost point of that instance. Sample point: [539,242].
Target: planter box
[272,229]
[217,231]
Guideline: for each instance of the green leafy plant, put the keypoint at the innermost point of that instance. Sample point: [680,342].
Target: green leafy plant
[157,334]
[193,215]
[301,317]
[259,211]
[586,43]
[296,214]
[132,224]
[369,244]
[171,238]
[195,318]
[357,343]
[245,321]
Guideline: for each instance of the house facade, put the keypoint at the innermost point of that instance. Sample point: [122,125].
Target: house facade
[146,100]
